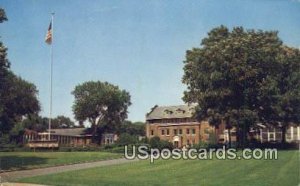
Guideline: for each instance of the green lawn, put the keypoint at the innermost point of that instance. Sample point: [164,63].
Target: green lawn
[281,172]
[25,160]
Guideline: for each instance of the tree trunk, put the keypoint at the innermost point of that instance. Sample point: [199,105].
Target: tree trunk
[94,132]
[238,137]
[229,136]
[283,134]
[216,134]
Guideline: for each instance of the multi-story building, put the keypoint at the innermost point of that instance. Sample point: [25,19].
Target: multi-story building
[177,125]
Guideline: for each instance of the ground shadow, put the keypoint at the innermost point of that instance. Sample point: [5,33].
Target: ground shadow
[18,162]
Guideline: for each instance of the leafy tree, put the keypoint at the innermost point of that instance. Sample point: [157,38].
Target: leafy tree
[136,128]
[127,139]
[4,69]
[18,98]
[2,15]
[62,122]
[104,105]
[36,123]
[227,74]
[156,142]
[16,133]
[280,95]
[40,124]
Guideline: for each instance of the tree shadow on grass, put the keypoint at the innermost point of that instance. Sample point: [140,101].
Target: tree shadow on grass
[19,162]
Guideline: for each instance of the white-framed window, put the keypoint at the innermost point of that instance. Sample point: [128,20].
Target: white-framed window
[168,132]
[193,131]
[180,131]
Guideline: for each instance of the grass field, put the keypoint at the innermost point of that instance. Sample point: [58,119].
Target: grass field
[281,172]
[25,160]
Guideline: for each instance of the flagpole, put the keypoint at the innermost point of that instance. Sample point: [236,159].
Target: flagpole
[51,72]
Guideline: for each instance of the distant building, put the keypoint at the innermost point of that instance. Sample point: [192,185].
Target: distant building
[72,136]
[269,133]
[177,125]
[68,137]
[109,138]
[64,137]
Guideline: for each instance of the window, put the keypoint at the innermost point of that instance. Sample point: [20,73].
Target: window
[175,131]
[193,131]
[187,131]
[162,132]
[168,132]
[152,133]
[180,131]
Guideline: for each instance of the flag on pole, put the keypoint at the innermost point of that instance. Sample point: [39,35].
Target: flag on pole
[48,38]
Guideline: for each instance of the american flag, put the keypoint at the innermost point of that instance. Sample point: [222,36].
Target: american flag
[48,38]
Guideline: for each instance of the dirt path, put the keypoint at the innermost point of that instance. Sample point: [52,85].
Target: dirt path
[11,176]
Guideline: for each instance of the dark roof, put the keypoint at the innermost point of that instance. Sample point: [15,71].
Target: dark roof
[170,112]
[70,132]
[29,132]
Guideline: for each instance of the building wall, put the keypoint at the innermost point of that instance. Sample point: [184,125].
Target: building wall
[61,139]
[186,133]
[272,134]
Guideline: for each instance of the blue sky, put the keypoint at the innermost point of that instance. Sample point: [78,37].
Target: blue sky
[138,45]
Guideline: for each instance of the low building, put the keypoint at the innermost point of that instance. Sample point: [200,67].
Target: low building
[177,125]
[76,137]
[72,136]
[64,137]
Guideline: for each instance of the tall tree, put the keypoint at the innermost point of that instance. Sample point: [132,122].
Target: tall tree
[288,107]
[280,95]
[104,105]
[18,97]
[4,69]
[225,76]
[18,100]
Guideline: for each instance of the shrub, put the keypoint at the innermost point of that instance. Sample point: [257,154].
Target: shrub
[201,145]
[155,142]
[126,139]
[212,139]
[118,149]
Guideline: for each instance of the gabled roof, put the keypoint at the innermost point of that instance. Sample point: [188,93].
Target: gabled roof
[70,132]
[170,112]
